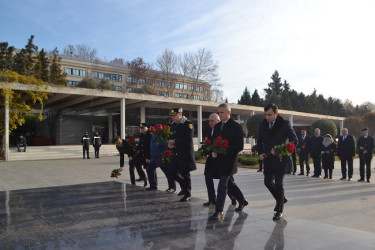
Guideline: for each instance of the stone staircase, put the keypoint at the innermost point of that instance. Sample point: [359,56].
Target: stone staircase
[58,152]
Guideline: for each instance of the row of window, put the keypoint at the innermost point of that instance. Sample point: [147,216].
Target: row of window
[166,94]
[72,83]
[75,72]
[108,76]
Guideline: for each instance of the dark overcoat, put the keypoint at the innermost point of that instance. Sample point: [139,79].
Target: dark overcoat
[269,138]
[316,145]
[304,145]
[211,164]
[346,149]
[233,132]
[328,159]
[367,144]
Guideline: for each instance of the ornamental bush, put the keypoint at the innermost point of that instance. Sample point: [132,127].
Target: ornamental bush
[325,126]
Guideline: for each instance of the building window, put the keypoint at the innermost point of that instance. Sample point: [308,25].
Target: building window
[181,95]
[75,72]
[181,86]
[72,83]
[166,94]
[164,84]
[113,77]
[118,88]
[198,97]
[130,89]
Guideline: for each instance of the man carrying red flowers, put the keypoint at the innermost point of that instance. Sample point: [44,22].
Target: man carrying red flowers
[273,131]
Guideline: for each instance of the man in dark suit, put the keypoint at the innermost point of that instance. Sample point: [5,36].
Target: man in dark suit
[183,159]
[303,149]
[229,130]
[346,152]
[315,151]
[274,130]
[144,152]
[210,170]
[365,147]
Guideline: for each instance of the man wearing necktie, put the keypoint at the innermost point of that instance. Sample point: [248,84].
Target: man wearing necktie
[303,149]
[316,149]
[274,168]
[365,147]
[346,152]
[229,130]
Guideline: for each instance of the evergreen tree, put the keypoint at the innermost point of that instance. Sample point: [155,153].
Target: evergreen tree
[256,100]
[88,83]
[245,98]
[274,88]
[23,60]
[41,66]
[6,56]
[56,75]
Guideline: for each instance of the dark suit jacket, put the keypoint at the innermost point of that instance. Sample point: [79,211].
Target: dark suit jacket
[304,145]
[346,149]
[268,139]
[368,144]
[144,146]
[233,132]
[316,145]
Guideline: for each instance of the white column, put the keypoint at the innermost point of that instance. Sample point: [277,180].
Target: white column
[291,120]
[110,128]
[6,132]
[122,118]
[341,126]
[252,112]
[199,124]
[143,114]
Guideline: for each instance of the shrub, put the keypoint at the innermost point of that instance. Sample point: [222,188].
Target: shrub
[325,126]
[198,155]
[248,160]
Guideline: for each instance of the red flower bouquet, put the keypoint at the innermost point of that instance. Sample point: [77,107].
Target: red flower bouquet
[204,150]
[115,173]
[161,132]
[285,149]
[132,143]
[219,145]
[165,158]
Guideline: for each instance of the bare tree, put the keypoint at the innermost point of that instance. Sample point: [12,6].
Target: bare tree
[139,72]
[119,61]
[166,63]
[82,51]
[216,93]
[203,69]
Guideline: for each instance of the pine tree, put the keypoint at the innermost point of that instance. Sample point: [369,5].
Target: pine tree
[41,66]
[55,75]
[245,98]
[256,100]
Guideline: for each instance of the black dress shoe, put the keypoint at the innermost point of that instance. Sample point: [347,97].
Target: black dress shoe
[343,179]
[181,193]
[217,216]
[350,179]
[277,216]
[185,198]
[234,202]
[307,174]
[241,206]
[151,188]
[139,179]
[301,174]
[368,180]
[260,170]
[145,182]
[209,203]
[361,179]
[171,190]
[294,173]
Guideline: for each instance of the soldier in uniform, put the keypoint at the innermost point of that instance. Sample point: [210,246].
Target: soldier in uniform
[97,143]
[181,143]
[85,140]
[365,147]
[143,156]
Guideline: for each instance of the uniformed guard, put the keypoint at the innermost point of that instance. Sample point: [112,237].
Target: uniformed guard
[97,143]
[85,144]
[143,156]
[181,143]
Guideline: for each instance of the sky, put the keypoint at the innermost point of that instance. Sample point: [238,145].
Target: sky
[327,45]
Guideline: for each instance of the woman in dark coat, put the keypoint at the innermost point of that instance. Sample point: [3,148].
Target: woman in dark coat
[328,155]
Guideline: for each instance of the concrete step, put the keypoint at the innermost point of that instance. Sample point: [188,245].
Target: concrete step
[57,152]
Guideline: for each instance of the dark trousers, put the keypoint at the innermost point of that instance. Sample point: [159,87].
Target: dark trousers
[317,159]
[211,187]
[260,165]
[362,162]
[227,185]
[169,175]
[294,159]
[133,166]
[86,149]
[304,159]
[350,167]
[139,162]
[274,183]
[183,178]
[151,173]
[96,148]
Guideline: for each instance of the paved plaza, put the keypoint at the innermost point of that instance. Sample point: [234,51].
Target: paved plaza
[74,204]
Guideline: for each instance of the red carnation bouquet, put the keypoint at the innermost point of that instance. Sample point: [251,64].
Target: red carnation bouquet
[115,173]
[219,145]
[284,149]
[132,143]
[204,150]
[165,158]
[161,132]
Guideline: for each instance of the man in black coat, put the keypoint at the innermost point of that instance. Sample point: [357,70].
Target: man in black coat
[210,170]
[303,149]
[85,140]
[315,151]
[229,130]
[183,159]
[274,130]
[144,153]
[365,147]
[346,152]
